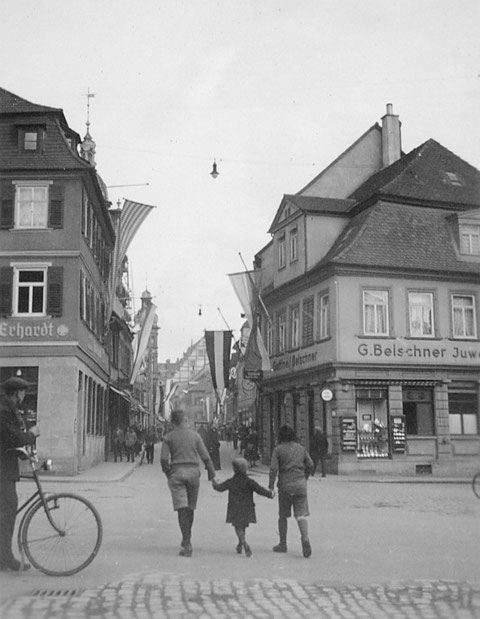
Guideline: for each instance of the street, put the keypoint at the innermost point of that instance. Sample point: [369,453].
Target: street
[379,549]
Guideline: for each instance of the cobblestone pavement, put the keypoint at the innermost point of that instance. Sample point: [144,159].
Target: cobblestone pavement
[157,595]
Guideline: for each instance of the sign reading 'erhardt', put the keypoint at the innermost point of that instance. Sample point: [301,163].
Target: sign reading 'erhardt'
[20,330]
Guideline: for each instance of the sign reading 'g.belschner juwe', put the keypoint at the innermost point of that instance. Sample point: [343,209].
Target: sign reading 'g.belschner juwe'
[405,351]
[35,330]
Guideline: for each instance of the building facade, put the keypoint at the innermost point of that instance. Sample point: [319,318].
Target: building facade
[372,281]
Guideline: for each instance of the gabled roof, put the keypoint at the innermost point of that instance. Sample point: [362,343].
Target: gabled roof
[430,173]
[315,205]
[401,236]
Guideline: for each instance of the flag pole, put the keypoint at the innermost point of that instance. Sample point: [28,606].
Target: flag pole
[256,289]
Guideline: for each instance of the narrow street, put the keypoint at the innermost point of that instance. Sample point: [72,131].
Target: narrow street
[379,549]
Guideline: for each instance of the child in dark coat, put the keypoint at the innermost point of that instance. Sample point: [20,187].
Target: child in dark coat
[241,508]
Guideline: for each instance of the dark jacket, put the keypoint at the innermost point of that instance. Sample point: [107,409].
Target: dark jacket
[241,508]
[12,435]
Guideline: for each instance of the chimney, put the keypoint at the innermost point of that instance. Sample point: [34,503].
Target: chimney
[391,138]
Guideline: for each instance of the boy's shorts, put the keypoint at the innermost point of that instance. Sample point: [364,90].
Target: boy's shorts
[287,500]
[184,484]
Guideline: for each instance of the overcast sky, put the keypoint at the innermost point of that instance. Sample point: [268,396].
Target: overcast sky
[272,89]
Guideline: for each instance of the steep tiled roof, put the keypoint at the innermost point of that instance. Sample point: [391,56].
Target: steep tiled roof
[11,103]
[426,174]
[400,236]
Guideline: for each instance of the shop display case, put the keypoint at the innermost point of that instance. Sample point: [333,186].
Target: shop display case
[349,433]
[397,424]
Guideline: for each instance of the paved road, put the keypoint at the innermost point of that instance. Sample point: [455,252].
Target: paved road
[379,550]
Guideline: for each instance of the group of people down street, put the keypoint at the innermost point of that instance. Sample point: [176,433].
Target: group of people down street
[133,441]
[182,451]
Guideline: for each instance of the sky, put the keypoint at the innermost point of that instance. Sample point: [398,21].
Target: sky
[273,90]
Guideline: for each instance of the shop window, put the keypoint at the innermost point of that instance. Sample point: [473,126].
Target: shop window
[463,413]
[372,423]
[418,411]
[375,312]
[463,314]
[294,327]
[420,308]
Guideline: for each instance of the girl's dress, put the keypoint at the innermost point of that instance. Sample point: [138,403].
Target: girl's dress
[241,508]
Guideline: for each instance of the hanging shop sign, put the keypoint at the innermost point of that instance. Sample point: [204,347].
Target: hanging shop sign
[327,395]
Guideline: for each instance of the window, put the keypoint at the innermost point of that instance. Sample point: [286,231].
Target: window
[307,322]
[324,316]
[30,140]
[463,409]
[31,206]
[269,334]
[418,411]
[295,327]
[453,179]
[420,308]
[29,292]
[281,252]
[293,245]
[470,239]
[282,331]
[464,320]
[375,312]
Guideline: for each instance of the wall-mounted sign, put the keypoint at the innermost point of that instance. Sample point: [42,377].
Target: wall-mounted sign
[327,395]
[252,374]
[23,329]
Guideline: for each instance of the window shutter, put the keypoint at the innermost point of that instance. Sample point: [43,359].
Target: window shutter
[6,288]
[55,291]
[55,211]
[7,205]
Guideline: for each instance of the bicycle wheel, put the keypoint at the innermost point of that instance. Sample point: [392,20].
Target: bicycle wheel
[476,485]
[71,550]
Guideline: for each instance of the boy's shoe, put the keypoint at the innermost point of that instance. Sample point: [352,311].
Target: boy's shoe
[186,550]
[280,548]
[239,548]
[307,549]
[248,550]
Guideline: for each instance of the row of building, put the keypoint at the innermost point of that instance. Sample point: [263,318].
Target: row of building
[371,282]
[60,327]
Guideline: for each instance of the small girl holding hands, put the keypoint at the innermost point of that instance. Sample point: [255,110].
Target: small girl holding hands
[241,508]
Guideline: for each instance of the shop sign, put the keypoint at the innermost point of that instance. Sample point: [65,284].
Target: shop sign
[296,361]
[252,375]
[327,395]
[21,330]
[407,352]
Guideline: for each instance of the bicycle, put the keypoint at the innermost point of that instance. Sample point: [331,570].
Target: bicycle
[476,485]
[61,533]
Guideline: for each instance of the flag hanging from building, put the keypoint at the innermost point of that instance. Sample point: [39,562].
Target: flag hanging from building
[219,344]
[128,222]
[245,284]
[140,340]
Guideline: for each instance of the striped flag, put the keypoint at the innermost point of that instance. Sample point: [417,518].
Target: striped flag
[128,222]
[218,344]
[140,340]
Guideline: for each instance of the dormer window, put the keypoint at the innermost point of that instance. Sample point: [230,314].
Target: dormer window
[470,239]
[30,139]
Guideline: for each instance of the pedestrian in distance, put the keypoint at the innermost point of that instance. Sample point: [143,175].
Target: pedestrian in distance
[241,507]
[13,434]
[182,449]
[251,447]
[130,444]
[319,451]
[293,465]
[118,444]
[213,446]
[150,440]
